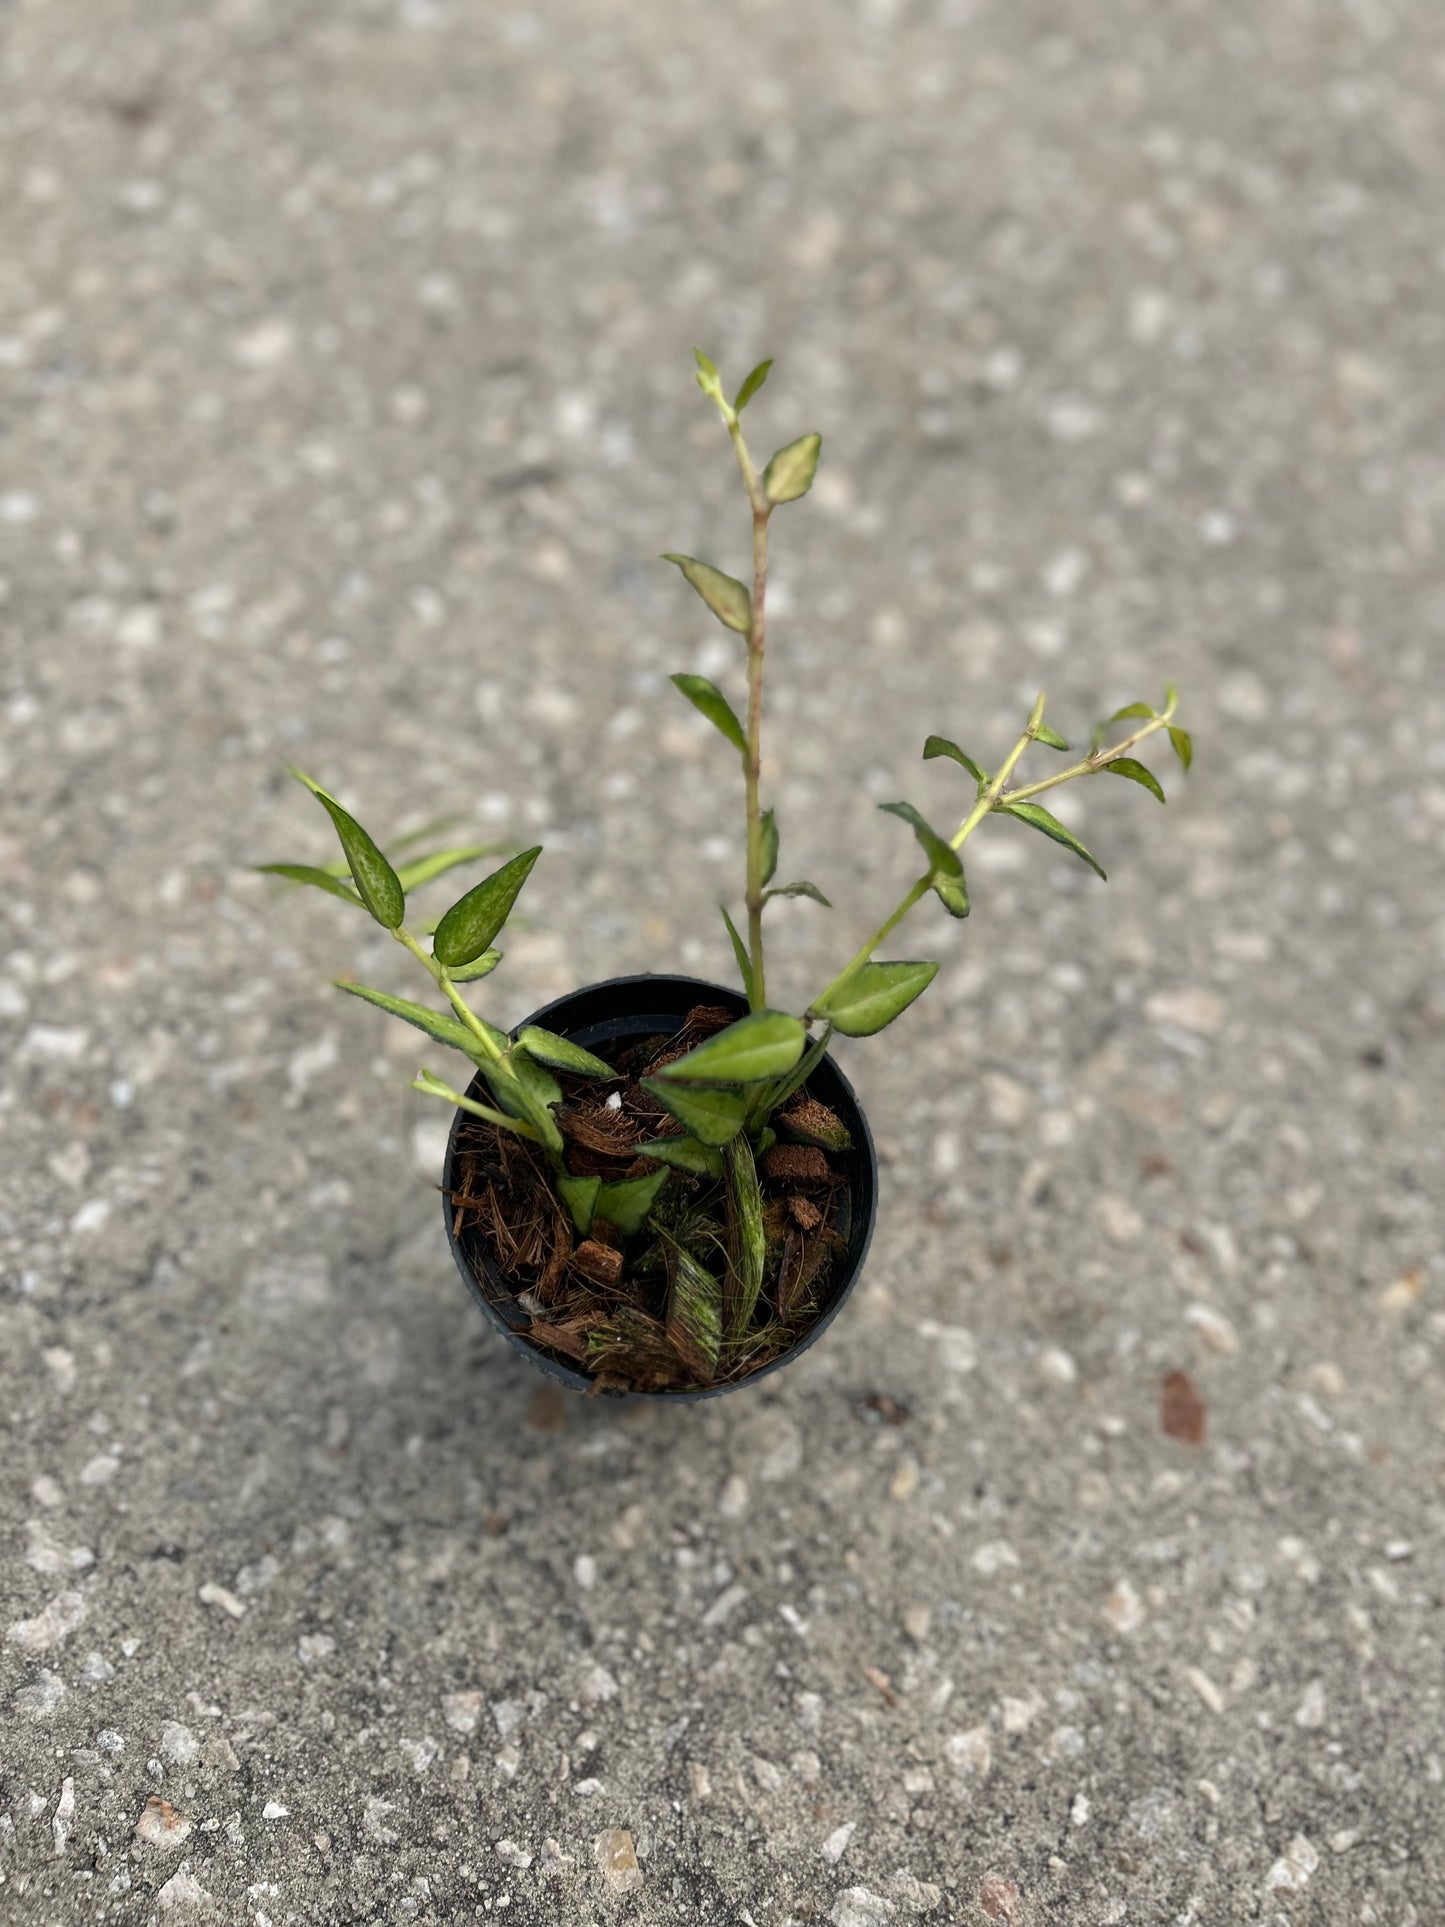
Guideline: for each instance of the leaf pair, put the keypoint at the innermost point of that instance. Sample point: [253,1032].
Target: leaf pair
[946,878]
[624,1203]
[758,1048]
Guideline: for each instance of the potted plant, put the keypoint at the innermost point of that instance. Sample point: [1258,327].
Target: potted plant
[656,1185]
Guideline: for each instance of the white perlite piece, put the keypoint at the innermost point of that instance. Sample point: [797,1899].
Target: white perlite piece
[617,1860]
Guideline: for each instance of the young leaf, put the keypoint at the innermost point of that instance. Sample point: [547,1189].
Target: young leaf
[941,855]
[1137,773]
[707,377]
[1131,709]
[446,1030]
[688,1154]
[798,890]
[482,967]
[580,1197]
[321,879]
[709,700]
[437,826]
[627,1202]
[740,951]
[764,1044]
[1183,745]
[790,473]
[704,366]
[940,746]
[468,927]
[751,386]
[376,882]
[723,594]
[422,870]
[712,1117]
[770,845]
[694,1312]
[1036,815]
[433,1087]
[952,893]
[747,1243]
[1043,734]
[874,995]
[562,1053]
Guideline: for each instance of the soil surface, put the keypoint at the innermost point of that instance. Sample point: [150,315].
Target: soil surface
[346,404]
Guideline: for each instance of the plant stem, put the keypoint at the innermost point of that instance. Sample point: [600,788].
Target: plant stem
[753,760]
[1099,759]
[453,996]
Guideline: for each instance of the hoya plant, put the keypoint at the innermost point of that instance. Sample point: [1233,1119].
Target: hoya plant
[670,1212]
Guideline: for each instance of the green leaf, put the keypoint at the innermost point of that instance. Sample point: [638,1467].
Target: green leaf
[580,1197]
[434,1087]
[688,1154]
[798,890]
[764,1044]
[482,967]
[751,386]
[748,1247]
[1171,696]
[709,700]
[450,1031]
[535,1079]
[468,927]
[790,473]
[1131,709]
[952,893]
[712,1117]
[562,1053]
[376,882]
[1137,773]
[1040,819]
[704,366]
[438,824]
[874,995]
[770,845]
[1183,745]
[627,1203]
[941,746]
[797,1077]
[321,879]
[519,1088]
[740,951]
[422,870]
[694,1312]
[1043,734]
[941,855]
[723,594]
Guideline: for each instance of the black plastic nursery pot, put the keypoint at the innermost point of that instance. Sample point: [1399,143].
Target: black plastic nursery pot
[606,1018]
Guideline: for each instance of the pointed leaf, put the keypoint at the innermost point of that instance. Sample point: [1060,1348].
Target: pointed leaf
[798,890]
[1171,696]
[423,868]
[723,594]
[1131,709]
[712,1117]
[518,1088]
[941,855]
[535,1079]
[580,1197]
[482,967]
[709,700]
[874,995]
[770,845]
[320,879]
[952,893]
[627,1203]
[1040,819]
[562,1053]
[751,386]
[1043,734]
[468,927]
[688,1154]
[1183,745]
[940,746]
[740,951]
[764,1044]
[376,882]
[790,473]
[1137,773]
[694,1312]
[450,1031]
[704,366]
[434,1087]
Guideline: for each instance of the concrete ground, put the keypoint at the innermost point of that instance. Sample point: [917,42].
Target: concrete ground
[346,404]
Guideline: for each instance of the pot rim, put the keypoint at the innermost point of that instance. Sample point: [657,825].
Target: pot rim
[863,1192]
